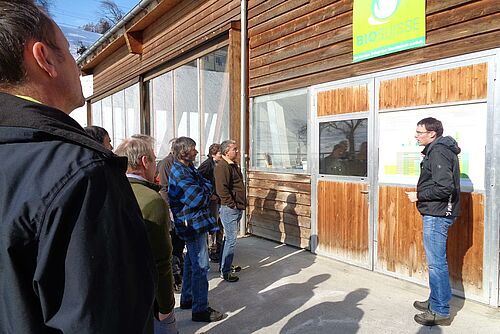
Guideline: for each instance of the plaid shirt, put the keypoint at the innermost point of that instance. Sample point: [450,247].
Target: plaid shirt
[189,196]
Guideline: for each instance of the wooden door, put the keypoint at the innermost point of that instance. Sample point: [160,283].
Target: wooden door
[342,183]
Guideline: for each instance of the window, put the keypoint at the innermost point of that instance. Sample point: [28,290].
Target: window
[192,100]
[118,114]
[279,131]
[343,147]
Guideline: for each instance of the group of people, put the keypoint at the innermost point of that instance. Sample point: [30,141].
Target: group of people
[84,235]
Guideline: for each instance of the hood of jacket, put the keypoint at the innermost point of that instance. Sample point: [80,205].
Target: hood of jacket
[447,142]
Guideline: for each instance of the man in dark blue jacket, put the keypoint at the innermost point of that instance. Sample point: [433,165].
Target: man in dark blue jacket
[74,255]
[438,201]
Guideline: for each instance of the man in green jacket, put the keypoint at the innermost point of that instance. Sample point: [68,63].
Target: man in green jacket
[141,172]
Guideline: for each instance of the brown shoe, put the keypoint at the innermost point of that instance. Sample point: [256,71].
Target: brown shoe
[210,315]
[430,318]
[421,306]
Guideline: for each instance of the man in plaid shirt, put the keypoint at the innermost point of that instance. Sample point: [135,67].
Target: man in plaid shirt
[189,196]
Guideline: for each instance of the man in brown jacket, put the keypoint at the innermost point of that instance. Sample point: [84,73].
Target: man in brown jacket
[231,191]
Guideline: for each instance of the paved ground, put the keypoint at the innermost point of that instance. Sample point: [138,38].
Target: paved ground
[286,290]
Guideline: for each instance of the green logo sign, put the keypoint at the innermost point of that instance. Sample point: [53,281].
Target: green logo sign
[386,26]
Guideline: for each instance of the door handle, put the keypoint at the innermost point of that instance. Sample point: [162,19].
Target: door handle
[364,191]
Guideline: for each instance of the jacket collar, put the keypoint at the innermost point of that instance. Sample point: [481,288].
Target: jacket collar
[22,113]
[154,186]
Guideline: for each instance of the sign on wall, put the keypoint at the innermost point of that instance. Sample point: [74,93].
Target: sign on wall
[385,26]
[399,153]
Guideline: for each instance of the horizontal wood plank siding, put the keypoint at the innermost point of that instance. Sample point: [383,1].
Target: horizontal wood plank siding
[400,244]
[311,42]
[185,27]
[279,207]
[451,85]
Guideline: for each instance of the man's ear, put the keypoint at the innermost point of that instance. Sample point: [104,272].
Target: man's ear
[45,58]
[144,161]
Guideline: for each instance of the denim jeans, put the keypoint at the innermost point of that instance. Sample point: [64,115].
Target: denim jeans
[230,220]
[166,326]
[435,236]
[195,275]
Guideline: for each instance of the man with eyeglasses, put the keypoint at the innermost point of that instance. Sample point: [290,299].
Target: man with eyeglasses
[438,201]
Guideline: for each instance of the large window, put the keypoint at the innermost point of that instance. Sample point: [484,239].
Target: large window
[279,131]
[192,100]
[118,114]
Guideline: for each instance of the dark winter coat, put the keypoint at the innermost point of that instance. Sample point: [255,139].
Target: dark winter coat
[438,188]
[74,255]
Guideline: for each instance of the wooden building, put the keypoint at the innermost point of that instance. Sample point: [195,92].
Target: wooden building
[330,141]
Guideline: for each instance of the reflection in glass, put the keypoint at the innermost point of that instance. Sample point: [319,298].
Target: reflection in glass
[96,113]
[162,109]
[279,131]
[132,110]
[107,117]
[214,98]
[343,147]
[119,133]
[186,102]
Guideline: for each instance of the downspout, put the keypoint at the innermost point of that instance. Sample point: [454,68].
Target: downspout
[140,6]
[243,107]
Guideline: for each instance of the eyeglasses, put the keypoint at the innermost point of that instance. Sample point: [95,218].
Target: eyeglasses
[419,133]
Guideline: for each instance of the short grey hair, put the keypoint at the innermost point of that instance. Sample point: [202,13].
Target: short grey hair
[224,146]
[181,146]
[135,148]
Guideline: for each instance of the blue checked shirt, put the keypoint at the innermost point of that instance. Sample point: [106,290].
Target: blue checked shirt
[189,197]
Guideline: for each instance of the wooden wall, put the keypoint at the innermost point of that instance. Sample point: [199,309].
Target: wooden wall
[279,207]
[343,100]
[183,28]
[343,220]
[400,246]
[299,43]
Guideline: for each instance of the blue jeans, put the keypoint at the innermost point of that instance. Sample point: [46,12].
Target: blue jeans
[230,220]
[435,236]
[195,275]
[166,326]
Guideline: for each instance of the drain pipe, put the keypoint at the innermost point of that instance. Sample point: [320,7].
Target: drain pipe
[243,107]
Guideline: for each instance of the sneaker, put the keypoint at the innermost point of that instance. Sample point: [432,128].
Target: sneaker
[430,318]
[210,315]
[177,288]
[235,269]
[186,305]
[421,306]
[229,277]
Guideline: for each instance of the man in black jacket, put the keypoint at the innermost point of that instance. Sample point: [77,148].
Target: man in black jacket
[74,254]
[438,201]
[206,169]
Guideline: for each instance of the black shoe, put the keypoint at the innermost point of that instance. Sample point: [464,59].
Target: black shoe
[210,315]
[186,305]
[430,318]
[235,269]
[177,288]
[230,277]
[421,306]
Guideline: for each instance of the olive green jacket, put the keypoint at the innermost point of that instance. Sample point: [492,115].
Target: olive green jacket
[157,221]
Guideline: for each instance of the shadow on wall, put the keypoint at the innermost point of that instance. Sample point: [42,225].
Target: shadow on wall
[341,317]
[460,241]
[291,221]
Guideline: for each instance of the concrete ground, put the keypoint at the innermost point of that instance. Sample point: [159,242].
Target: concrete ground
[287,290]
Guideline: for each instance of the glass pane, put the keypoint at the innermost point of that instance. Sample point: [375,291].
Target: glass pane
[107,117]
[343,147]
[97,113]
[279,132]
[132,110]
[215,97]
[186,101]
[119,121]
[162,129]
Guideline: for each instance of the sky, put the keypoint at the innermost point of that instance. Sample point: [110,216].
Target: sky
[75,13]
